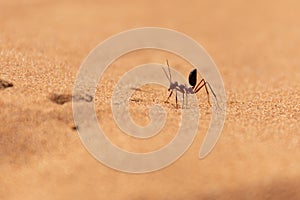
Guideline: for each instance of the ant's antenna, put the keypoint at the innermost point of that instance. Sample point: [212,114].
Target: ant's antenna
[166,74]
[169,70]
[169,77]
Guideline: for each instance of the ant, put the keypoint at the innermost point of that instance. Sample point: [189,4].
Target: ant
[184,89]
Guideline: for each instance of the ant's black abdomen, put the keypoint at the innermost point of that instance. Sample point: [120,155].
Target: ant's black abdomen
[193,77]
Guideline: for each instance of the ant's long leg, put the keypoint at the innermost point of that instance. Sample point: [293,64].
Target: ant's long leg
[176,100]
[169,96]
[186,100]
[183,100]
[207,93]
[199,88]
[211,90]
[214,94]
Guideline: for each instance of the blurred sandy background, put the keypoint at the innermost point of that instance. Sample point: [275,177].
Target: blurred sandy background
[256,46]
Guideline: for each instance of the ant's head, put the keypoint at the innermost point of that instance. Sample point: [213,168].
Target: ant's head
[173,85]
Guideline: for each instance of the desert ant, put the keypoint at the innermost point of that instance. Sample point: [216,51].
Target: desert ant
[184,89]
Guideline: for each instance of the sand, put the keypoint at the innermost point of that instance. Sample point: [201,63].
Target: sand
[255,46]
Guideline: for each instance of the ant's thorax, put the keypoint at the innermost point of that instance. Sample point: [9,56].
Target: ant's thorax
[182,88]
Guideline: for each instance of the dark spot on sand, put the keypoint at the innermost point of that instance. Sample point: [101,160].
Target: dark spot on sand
[65,98]
[75,128]
[5,84]
[136,100]
[60,98]
[83,97]
[136,89]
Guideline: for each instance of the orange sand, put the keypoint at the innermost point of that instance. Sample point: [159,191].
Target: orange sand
[256,46]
